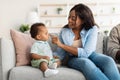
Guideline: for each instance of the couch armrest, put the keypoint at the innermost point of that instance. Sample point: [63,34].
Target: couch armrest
[7,57]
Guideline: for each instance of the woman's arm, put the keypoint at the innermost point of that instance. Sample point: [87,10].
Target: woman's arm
[69,49]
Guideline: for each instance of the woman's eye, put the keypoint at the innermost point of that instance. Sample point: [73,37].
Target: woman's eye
[73,18]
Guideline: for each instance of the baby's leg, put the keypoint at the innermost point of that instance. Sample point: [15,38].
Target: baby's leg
[43,66]
[54,64]
[47,72]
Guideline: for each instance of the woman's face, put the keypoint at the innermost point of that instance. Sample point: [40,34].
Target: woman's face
[74,21]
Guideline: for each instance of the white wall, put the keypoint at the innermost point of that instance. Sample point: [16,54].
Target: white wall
[13,13]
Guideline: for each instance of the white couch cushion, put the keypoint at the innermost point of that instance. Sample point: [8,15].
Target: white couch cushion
[30,73]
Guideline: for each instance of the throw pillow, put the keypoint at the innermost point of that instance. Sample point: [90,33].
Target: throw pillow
[22,43]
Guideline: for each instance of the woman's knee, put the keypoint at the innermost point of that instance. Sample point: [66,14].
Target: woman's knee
[108,60]
[80,62]
[87,63]
[83,64]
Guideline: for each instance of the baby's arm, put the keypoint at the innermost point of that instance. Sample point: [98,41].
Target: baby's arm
[35,56]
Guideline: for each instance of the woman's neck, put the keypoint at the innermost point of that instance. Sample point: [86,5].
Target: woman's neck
[76,30]
[77,33]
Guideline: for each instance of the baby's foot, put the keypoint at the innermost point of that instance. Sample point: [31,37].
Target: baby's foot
[52,66]
[50,72]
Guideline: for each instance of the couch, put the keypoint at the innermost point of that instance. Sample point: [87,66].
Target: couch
[8,70]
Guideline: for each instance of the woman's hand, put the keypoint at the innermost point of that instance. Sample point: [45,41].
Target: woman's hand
[55,40]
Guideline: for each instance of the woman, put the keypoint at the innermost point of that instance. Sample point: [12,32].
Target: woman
[78,42]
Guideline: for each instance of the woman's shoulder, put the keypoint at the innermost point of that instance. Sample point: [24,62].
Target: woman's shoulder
[94,28]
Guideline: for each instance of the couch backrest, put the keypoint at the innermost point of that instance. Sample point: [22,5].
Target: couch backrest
[99,47]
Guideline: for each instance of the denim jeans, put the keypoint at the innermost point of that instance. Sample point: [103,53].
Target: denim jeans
[96,67]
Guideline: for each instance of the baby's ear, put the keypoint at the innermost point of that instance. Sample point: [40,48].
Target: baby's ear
[38,37]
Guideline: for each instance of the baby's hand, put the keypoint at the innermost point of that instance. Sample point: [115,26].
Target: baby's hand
[56,57]
[46,57]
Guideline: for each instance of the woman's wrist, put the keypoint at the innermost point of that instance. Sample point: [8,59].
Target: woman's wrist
[60,45]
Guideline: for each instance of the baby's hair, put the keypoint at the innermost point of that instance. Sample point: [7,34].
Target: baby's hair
[34,29]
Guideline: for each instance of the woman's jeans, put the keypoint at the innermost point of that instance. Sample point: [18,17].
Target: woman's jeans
[96,67]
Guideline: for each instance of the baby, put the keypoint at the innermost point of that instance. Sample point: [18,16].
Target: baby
[41,52]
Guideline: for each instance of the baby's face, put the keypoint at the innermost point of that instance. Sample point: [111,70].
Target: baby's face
[44,35]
